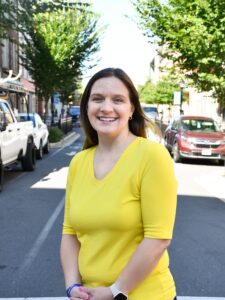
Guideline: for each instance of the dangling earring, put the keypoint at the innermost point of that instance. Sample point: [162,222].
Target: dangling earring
[130,118]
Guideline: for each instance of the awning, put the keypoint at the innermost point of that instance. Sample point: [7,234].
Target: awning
[14,86]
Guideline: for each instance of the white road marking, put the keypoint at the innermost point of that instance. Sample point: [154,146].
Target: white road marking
[54,180]
[72,153]
[40,240]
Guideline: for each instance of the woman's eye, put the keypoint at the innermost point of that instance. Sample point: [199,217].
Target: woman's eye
[118,100]
[97,99]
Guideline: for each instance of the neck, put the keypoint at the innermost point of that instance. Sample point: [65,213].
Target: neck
[111,144]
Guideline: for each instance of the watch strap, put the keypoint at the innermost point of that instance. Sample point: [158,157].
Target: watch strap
[115,291]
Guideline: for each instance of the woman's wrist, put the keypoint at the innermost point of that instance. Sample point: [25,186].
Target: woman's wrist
[72,286]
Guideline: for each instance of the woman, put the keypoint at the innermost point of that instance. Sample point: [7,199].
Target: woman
[120,201]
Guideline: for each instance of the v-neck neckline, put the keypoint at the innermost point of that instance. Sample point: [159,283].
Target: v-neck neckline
[115,166]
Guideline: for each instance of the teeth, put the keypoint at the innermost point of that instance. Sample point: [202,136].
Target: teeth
[106,119]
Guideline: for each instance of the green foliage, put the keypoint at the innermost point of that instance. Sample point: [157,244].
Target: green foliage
[55,134]
[59,41]
[159,93]
[193,36]
[147,92]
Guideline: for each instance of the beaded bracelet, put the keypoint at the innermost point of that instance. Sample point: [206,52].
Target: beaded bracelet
[68,291]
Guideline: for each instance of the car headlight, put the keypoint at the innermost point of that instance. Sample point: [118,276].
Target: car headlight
[187,139]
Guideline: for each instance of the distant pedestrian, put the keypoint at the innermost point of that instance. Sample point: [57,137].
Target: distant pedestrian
[120,200]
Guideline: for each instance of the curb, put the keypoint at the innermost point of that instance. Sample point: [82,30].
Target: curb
[66,141]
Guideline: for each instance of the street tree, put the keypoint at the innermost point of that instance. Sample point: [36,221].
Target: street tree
[58,42]
[72,37]
[193,36]
[161,92]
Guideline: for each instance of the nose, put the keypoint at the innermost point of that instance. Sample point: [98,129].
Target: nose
[106,105]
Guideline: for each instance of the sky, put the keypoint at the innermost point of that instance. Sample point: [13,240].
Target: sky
[123,45]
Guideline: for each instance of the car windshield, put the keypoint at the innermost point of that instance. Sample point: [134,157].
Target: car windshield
[27,118]
[149,109]
[75,110]
[199,125]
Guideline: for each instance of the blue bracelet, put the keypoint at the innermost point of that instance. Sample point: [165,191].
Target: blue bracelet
[68,291]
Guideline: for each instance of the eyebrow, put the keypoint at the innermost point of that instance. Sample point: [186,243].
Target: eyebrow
[99,94]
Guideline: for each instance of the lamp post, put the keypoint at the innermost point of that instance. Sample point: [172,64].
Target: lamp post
[182,86]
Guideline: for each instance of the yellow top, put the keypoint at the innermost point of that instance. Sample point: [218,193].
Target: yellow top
[111,216]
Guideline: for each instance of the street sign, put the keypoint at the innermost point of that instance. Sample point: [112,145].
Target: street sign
[176,98]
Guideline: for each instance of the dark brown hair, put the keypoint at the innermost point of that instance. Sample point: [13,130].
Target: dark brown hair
[136,124]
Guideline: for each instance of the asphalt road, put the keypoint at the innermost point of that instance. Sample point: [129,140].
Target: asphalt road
[31,214]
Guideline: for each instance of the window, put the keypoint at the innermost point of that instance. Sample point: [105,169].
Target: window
[7,112]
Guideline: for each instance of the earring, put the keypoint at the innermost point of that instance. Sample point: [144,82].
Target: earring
[130,118]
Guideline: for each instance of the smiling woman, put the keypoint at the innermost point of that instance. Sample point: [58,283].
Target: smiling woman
[112,88]
[118,219]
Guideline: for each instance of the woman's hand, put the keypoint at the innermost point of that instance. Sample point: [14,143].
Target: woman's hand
[99,293]
[78,293]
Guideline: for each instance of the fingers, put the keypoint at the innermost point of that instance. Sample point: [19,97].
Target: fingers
[79,293]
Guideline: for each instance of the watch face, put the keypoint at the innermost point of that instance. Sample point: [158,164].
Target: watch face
[120,296]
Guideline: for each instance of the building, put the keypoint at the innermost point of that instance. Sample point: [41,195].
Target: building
[196,103]
[16,85]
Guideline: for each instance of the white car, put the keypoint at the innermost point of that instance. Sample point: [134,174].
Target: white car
[151,112]
[40,132]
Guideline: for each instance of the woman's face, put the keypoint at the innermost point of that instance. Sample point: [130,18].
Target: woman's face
[109,107]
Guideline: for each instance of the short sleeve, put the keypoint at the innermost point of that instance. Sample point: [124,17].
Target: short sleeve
[158,193]
[67,227]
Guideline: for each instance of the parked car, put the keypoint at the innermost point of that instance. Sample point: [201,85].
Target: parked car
[151,112]
[16,141]
[74,112]
[195,137]
[40,132]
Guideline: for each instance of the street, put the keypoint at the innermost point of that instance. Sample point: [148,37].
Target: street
[31,217]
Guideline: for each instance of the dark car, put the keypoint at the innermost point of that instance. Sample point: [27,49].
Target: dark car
[195,137]
[74,112]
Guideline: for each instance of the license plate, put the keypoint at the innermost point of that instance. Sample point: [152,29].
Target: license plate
[206,152]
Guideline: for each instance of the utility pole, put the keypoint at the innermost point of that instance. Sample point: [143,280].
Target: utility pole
[182,86]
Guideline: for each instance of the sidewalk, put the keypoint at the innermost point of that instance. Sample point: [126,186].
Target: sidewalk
[66,141]
[214,183]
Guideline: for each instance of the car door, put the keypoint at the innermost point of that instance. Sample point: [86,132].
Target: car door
[9,137]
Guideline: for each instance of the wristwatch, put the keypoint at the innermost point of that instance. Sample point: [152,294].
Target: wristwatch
[117,294]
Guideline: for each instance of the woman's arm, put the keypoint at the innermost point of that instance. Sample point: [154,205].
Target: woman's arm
[141,264]
[69,251]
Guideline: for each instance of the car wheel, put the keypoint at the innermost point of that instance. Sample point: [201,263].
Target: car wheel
[46,148]
[29,160]
[221,162]
[39,152]
[176,154]
[1,176]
